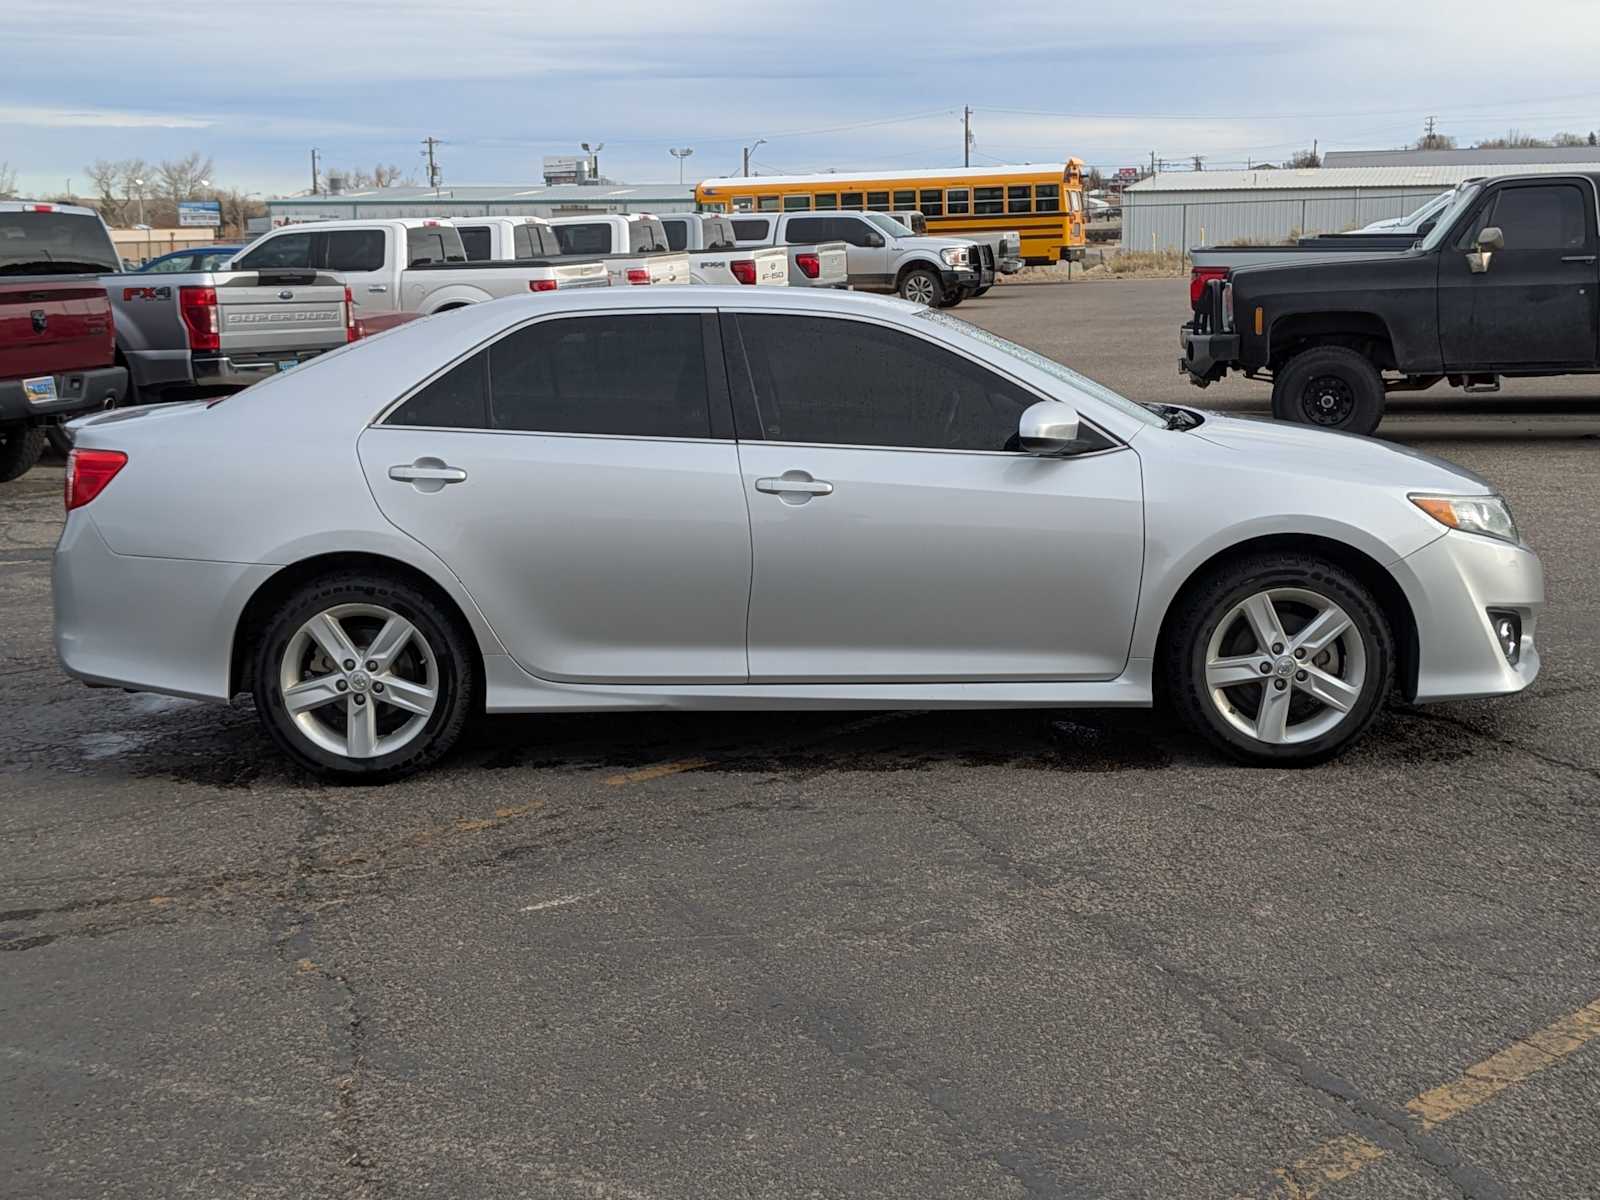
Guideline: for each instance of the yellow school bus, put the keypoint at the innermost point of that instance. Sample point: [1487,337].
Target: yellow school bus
[1041,201]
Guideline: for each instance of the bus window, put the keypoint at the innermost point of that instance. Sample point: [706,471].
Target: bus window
[932,202]
[878,201]
[828,200]
[850,200]
[744,204]
[957,198]
[797,203]
[767,204]
[1018,199]
[987,201]
[905,199]
[1047,197]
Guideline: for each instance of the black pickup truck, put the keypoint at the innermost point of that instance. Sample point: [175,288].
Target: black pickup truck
[1505,284]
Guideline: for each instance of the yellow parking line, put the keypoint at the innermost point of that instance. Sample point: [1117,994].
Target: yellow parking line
[659,771]
[1339,1158]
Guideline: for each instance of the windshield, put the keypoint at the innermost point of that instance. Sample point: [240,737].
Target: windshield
[43,243]
[1464,200]
[1049,366]
[888,224]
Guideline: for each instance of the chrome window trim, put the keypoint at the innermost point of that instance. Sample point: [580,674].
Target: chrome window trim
[607,437]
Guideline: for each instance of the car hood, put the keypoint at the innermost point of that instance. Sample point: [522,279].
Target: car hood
[930,243]
[1338,455]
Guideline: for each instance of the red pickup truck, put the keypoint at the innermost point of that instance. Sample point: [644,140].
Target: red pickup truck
[57,344]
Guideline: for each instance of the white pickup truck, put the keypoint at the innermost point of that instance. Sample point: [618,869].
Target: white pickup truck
[713,258]
[633,246]
[413,265]
[527,240]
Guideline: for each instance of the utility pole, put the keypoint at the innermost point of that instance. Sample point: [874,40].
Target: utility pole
[1155,166]
[1199,163]
[747,150]
[966,136]
[316,182]
[433,165]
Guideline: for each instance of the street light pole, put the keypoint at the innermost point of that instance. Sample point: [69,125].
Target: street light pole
[747,150]
[139,183]
[680,153]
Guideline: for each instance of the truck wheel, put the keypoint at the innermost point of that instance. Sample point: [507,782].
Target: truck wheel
[20,448]
[981,291]
[60,440]
[1332,387]
[921,287]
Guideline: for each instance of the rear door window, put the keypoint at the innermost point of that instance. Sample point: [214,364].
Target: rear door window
[288,250]
[475,240]
[585,237]
[677,234]
[751,230]
[804,230]
[433,244]
[353,250]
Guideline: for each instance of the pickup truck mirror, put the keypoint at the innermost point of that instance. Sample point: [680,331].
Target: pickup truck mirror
[1490,240]
[875,240]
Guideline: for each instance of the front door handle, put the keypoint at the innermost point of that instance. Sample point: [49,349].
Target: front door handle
[796,483]
[1577,258]
[427,474]
[378,287]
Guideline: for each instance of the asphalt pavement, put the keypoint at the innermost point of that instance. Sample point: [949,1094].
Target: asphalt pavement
[1015,954]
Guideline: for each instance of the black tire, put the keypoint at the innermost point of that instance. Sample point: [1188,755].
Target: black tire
[20,448]
[1330,387]
[1215,598]
[59,438]
[981,291]
[443,634]
[920,286]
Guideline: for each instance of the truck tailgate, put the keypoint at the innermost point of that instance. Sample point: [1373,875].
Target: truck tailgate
[260,319]
[582,275]
[772,266]
[51,326]
[669,268]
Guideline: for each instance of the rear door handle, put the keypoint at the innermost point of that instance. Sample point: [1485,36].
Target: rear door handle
[378,287]
[427,474]
[1577,258]
[796,484]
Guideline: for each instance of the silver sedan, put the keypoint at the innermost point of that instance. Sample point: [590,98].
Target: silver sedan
[764,499]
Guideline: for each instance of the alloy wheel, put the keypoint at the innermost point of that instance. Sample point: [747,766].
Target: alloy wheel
[1285,665]
[918,289]
[359,680]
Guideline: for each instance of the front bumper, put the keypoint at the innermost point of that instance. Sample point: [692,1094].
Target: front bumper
[77,392]
[1453,584]
[955,278]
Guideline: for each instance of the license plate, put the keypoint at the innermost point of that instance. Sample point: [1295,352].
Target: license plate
[41,390]
[285,364]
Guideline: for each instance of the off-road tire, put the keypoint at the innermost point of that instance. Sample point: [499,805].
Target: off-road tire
[20,448]
[1330,387]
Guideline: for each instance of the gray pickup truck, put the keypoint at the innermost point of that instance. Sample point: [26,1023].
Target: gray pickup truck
[210,331]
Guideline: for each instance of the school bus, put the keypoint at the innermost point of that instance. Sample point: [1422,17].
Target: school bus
[1041,201]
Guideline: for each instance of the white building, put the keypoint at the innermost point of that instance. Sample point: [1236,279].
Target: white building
[1177,210]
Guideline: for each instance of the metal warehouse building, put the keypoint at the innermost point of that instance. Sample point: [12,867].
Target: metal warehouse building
[485,200]
[1177,210]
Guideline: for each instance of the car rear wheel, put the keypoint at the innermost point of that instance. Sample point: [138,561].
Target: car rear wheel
[1332,387]
[921,287]
[20,448]
[1280,660]
[363,678]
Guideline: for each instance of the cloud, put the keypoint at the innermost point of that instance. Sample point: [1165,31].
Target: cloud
[64,118]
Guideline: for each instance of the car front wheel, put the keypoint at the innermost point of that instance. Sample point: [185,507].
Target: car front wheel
[921,287]
[1280,660]
[363,678]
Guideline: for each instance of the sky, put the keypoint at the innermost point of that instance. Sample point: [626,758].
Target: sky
[826,83]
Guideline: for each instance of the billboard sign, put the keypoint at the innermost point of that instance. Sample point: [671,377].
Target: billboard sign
[207,213]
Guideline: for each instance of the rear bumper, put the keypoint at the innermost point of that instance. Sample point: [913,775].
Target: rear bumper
[224,371]
[1207,356]
[77,392]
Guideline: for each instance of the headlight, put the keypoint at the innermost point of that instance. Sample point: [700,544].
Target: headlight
[1487,515]
[954,257]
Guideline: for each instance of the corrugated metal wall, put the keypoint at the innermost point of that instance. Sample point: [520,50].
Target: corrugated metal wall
[1179,220]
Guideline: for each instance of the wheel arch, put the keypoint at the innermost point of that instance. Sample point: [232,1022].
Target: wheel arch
[276,587]
[1391,596]
[1366,333]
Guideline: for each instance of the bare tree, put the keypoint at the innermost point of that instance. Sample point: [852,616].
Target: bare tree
[1303,158]
[182,178]
[390,175]
[8,181]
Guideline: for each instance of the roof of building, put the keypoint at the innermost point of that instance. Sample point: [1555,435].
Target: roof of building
[479,193]
[1473,157]
[1342,177]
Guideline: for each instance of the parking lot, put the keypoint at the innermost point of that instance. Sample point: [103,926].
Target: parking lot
[1008,954]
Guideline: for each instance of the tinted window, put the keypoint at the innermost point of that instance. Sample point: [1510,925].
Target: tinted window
[840,382]
[34,243]
[797,204]
[212,260]
[1019,198]
[750,231]
[850,200]
[988,200]
[1542,218]
[286,250]
[827,199]
[354,250]
[878,201]
[803,230]
[522,243]
[168,266]
[1047,197]
[717,233]
[677,234]
[588,237]
[433,244]
[854,231]
[957,202]
[458,399]
[905,199]
[767,204]
[475,240]
[646,236]
[932,204]
[640,375]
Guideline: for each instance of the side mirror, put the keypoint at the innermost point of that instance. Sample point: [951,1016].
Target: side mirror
[1048,428]
[875,240]
[1489,240]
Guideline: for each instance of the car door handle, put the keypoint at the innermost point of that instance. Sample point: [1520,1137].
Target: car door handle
[795,482]
[378,287]
[425,471]
[1577,258]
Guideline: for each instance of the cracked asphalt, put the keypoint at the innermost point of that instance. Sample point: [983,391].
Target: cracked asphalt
[1048,954]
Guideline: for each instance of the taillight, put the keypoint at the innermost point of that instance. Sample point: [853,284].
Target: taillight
[638,275]
[1198,278]
[810,265]
[550,285]
[199,308]
[744,269]
[351,330]
[88,472]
